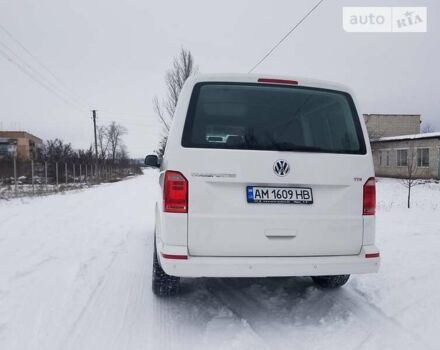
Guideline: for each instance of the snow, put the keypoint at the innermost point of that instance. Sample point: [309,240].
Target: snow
[75,272]
[409,137]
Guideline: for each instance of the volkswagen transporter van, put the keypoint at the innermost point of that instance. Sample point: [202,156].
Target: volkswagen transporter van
[264,176]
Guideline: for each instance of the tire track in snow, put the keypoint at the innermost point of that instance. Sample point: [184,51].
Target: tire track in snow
[34,268]
[102,297]
[265,324]
[93,293]
[243,306]
[388,321]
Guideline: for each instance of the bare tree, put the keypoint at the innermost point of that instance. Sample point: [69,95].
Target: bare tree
[57,151]
[413,172]
[114,136]
[103,142]
[183,68]
[85,155]
[427,127]
[122,155]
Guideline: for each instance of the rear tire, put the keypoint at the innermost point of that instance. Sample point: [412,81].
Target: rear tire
[330,282]
[163,284]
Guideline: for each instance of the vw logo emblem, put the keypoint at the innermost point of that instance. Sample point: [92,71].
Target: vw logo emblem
[281,167]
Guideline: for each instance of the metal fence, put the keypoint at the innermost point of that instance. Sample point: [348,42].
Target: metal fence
[27,178]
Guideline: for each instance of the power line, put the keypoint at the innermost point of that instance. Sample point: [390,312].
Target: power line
[42,65]
[142,115]
[37,74]
[286,35]
[46,84]
[66,94]
[128,121]
[37,80]
[139,118]
[123,116]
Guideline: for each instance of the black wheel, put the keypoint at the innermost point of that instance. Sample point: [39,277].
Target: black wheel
[163,284]
[330,282]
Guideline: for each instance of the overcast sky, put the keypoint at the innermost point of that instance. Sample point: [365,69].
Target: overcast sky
[113,55]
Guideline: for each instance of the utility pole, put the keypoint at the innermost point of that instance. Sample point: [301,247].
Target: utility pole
[96,141]
[94,128]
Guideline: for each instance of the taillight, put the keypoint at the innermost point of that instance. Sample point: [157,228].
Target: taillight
[175,193]
[370,197]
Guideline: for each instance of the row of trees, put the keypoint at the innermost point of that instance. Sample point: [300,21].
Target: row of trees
[58,161]
[111,148]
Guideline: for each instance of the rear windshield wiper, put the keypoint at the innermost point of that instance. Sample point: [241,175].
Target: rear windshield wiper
[288,146]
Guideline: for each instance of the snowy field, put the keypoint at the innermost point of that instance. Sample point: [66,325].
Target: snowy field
[75,273]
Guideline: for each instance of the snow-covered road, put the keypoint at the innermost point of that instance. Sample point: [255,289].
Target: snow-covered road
[75,273]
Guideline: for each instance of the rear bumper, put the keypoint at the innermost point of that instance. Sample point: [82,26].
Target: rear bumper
[267,266]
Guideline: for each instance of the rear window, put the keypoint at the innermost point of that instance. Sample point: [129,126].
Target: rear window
[272,118]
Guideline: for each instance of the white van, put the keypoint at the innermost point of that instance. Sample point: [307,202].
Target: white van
[264,176]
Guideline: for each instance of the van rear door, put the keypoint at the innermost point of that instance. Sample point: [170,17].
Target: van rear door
[275,170]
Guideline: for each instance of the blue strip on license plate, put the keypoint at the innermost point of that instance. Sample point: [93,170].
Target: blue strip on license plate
[283,195]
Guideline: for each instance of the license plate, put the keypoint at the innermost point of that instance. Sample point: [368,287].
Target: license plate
[284,195]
